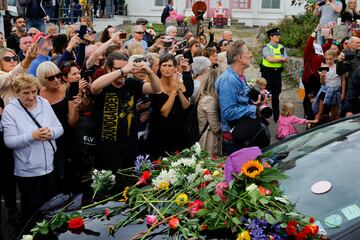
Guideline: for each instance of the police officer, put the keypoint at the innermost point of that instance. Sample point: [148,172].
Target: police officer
[273,57]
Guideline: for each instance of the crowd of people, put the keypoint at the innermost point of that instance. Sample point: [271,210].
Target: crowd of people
[71,102]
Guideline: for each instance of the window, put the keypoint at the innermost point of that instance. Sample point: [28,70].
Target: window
[242,4]
[160,3]
[270,4]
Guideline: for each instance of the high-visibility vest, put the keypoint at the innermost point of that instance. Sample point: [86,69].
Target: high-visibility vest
[276,52]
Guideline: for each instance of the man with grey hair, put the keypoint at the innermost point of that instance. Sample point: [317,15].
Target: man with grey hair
[200,66]
[238,111]
[171,32]
[137,36]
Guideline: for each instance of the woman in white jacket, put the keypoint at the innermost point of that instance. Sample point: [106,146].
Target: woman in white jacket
[33,144]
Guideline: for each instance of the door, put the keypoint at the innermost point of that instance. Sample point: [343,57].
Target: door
[215,6]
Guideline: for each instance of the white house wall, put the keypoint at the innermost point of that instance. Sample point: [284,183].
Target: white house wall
[254,16]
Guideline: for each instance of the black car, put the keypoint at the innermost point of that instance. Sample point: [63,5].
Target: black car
[329,153]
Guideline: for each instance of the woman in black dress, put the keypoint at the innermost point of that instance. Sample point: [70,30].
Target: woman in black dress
[169,108]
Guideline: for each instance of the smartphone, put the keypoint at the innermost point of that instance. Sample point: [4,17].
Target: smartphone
[183,44]
[82,31]
[122,35]
[73,90]
[210,25]
[167,43]
[322,3]
[323,69]
[86,74]
[40,42]
[187,55]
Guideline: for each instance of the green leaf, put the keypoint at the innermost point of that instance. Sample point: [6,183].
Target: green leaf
[239,205]
[271,174]
[270,219]
[212,215]
[201,212]
[58,221]
[264,201]
[236,221]
[216,198]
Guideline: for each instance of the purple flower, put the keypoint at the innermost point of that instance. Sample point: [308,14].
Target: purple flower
[143,162]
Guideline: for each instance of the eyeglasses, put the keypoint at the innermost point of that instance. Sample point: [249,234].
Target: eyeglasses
[52,78]
[140,32]
[9,59]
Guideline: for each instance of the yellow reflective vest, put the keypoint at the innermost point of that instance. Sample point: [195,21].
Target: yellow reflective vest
[276,52]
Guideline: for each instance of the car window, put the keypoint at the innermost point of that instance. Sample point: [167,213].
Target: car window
[331,153]
[11,2]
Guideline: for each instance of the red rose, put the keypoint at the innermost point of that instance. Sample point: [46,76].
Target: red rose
[314,229]
[306,230]
[174,223]
[220,165]
[144,177]
[107,212]
[203,227]
[76,223]
[300,236]
[207,172]
[311,220]
[291,231]
[194,207]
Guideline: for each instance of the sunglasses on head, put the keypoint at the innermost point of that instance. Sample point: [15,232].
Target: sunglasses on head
[52,78]
[9,59]
[137,60]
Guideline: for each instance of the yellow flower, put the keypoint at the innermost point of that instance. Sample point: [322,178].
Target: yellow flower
[182,199]
[244,236]
[216,173]
[125,194]
[164,185]
[252,168]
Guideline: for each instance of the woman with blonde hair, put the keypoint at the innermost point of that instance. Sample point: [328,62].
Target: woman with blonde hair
[54,91]
[208,111]
[30,129]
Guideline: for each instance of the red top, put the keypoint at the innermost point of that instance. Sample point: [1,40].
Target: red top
[312,61]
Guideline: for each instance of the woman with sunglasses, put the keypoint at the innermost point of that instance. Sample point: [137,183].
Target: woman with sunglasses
[54,90]
[10,68]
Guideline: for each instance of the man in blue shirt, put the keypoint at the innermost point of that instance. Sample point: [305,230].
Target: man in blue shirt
[137,36]
[43,53]
[237,109]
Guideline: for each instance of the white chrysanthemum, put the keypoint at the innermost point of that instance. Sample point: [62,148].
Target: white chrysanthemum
[198,168]
[197,148]
[191,178]
[27,237]
[165,176]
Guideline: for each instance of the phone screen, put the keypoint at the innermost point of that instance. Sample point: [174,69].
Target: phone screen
[188,55]
[82,31]
[73,90]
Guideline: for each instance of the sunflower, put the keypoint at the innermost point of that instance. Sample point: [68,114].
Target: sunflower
[252,168]
[125,194]
[182,199]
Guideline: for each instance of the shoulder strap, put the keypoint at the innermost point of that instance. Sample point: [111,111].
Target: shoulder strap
[35,121]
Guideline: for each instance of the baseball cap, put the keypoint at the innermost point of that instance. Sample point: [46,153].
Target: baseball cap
[38,35]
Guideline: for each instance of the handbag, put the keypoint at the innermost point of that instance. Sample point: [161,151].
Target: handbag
[36,122]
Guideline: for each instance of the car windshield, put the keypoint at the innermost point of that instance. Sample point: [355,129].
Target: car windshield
[332,154]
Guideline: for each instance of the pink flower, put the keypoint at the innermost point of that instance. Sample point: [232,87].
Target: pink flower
[107,212]
[220,187]
[144,177]
[151,219]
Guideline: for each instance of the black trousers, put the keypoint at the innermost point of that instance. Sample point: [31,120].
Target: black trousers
[7,178]
[34,192]
[311,86]
[274,84]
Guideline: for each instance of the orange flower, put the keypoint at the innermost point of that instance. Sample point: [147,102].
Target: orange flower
[252,168]
[262,190]
[174,223]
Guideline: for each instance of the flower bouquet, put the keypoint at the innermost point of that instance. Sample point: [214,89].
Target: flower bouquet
[193,195]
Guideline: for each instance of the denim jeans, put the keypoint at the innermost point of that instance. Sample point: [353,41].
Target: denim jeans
[36,23]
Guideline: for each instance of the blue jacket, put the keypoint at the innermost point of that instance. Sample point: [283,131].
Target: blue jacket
[32,157]
[232,94]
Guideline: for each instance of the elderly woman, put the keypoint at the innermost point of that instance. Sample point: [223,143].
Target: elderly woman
[169,109]
[200,67]
[30,129]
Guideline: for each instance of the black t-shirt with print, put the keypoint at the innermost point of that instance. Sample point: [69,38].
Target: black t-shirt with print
[115,112]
